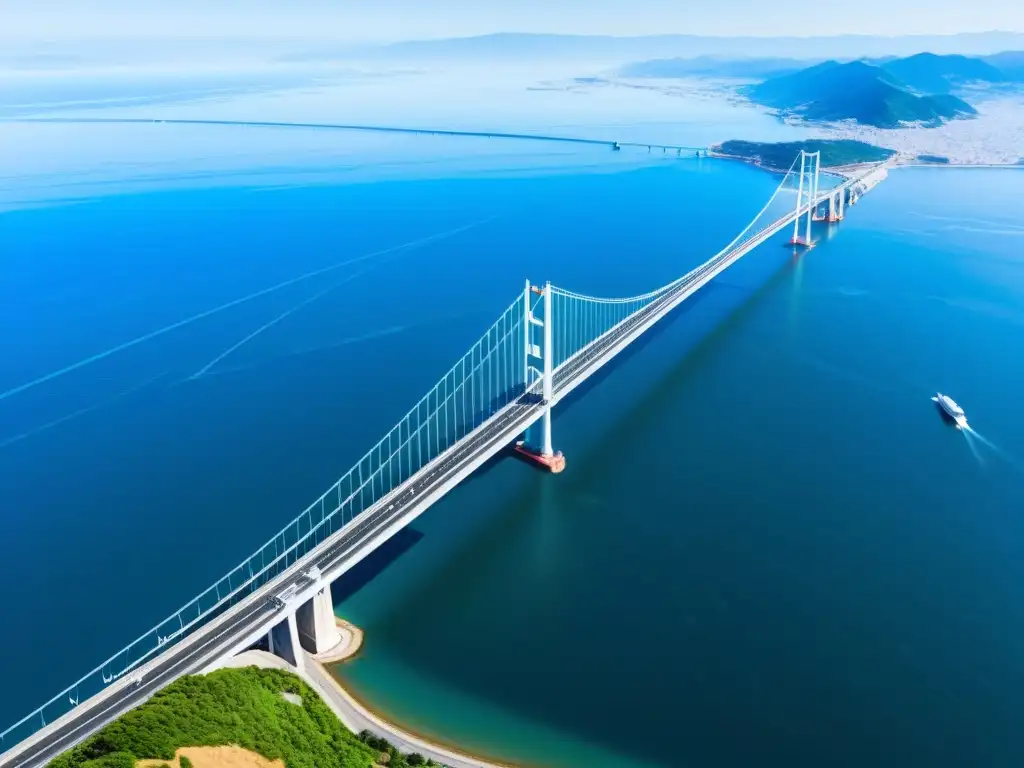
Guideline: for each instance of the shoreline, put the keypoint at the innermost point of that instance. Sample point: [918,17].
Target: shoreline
[357,715]
[748,160]
[393,729]
[384,723]
[850,167]
[835,170]
[1019,166]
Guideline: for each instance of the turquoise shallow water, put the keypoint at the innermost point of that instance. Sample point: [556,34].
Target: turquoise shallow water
[768,547]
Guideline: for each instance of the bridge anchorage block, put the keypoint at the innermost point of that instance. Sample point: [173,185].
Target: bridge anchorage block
[554,463]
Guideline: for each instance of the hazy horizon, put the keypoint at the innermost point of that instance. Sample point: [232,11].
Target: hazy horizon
[180,54]
[512,33]
[387,21]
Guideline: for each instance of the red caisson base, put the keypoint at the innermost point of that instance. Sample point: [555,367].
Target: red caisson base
[553,463]
[800,242]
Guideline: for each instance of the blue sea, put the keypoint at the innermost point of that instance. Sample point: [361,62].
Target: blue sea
[767,547]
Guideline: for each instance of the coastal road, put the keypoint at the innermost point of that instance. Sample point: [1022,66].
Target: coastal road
[257,614]
[351,713]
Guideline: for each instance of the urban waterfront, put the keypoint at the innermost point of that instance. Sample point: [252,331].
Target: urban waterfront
[765,531]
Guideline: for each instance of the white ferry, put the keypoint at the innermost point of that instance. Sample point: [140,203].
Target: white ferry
[956,413]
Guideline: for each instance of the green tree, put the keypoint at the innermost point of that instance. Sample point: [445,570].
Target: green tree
[113,760]
[230,706]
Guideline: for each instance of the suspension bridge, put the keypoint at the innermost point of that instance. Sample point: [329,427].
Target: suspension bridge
[545,344]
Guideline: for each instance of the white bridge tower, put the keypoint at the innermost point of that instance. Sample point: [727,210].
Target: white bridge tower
[546,457]
[810,165]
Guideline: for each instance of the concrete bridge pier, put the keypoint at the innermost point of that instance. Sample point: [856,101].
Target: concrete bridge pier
[810,163]
[317,629]
[548,387]
[546,457]
[284,641]
[835,205]
[855,192]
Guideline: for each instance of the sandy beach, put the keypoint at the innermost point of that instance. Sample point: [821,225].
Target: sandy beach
[355,714]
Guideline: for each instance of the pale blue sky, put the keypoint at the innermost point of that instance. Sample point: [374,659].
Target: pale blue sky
[386,20]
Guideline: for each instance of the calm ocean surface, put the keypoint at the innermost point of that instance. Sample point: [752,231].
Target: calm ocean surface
[767,547]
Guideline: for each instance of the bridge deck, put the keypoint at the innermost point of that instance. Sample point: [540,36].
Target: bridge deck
[253,617]
[359,128]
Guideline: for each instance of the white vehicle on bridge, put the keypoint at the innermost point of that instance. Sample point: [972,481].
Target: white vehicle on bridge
[286,594]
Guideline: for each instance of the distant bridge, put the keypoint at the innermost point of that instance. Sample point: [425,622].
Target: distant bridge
[665,148]
[548,342]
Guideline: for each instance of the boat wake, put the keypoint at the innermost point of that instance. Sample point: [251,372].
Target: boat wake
[412,244]
[270,323]
[377,333]
[299,351]
[971,444]
[974,437]
[955,414]
[80,412]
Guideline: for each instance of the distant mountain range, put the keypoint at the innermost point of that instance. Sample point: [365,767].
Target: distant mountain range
[885,92]
[607,50]
[712,66]
[522,46]
[1010,63]
[928,73]
[869,94]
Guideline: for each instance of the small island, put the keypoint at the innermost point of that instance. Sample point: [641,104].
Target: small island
[779,156]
